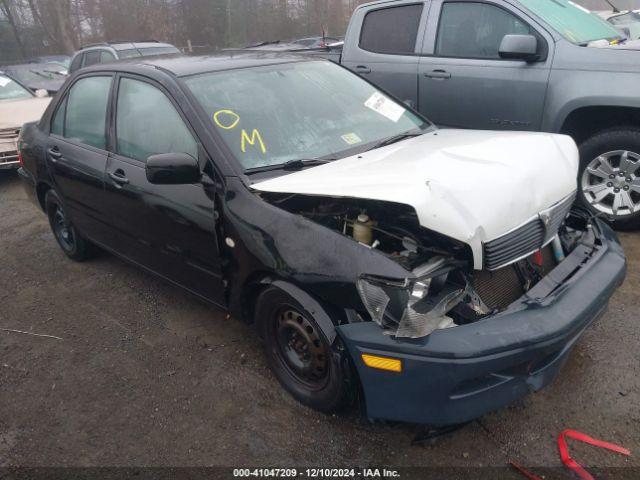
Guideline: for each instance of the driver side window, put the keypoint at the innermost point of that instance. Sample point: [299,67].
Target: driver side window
[475,30]
[147,123]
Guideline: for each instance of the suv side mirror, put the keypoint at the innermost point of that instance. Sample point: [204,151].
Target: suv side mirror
[519,47]
[172,169]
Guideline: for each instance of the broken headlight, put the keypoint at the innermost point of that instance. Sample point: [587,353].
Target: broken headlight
[415,307]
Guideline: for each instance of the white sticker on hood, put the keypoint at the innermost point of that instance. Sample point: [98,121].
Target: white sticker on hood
[385,106]
[4,81]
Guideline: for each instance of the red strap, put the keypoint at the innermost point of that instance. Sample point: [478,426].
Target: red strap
[524,471]
[571,463]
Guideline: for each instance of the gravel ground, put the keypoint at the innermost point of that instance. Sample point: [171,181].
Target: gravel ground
[148,375]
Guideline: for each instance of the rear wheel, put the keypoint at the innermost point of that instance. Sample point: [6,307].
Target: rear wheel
[72,243]
[610,176]
[299,354]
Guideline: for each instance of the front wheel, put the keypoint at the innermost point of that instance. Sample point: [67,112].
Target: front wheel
[609,176]
[299,354]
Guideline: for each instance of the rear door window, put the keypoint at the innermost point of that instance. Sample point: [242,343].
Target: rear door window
[86,112]
[147,123]
[91,58]
[391,30]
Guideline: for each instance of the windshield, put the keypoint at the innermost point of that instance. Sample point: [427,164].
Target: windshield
[275,114]
[10,90]
[33,73]
[575,23]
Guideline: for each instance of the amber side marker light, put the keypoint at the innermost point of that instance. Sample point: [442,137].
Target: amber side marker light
[382,363]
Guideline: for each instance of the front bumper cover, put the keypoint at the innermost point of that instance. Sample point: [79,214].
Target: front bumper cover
[455,375]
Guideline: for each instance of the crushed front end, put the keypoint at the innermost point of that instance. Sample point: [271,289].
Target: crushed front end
[463,343]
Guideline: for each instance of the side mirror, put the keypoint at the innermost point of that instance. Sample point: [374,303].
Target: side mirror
[42,93]
[172,169]
[519,47]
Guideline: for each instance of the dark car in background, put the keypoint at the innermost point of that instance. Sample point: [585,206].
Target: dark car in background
[39,76]
[63,60]
[443,273]
[111,51]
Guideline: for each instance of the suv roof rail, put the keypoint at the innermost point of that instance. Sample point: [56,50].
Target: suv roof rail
[89,45]
[135,41]
[111,42]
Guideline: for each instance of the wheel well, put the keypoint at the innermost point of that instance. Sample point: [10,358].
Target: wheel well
[251,290]
[41,191]
[585,122]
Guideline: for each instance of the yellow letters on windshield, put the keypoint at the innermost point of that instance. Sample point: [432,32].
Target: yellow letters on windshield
[255,136]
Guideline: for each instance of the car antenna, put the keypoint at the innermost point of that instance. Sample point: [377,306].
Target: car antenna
[615,9]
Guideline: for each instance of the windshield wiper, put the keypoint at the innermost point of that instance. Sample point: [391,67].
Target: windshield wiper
[297,164]
[395,139]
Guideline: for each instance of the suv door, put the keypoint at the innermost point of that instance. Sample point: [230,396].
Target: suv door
[385,49]
[464,82]
[76,152]
[169,229]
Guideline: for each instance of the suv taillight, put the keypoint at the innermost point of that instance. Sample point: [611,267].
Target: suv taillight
[19,149]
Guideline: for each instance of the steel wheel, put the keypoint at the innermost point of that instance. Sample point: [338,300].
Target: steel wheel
[610,184]
[61,229]
[301,349]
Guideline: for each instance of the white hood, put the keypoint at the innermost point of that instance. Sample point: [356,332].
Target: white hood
[15,113]
[473,186]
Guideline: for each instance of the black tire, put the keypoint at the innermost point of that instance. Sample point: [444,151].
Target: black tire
[625,138]
[328,390]
[72,243]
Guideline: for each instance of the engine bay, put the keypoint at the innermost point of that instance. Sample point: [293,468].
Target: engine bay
[444,289]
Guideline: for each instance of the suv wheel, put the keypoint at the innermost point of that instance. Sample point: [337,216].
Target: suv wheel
[609,176]
[72,243]
[299,354]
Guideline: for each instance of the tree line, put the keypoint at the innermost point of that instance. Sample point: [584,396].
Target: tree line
[31,28]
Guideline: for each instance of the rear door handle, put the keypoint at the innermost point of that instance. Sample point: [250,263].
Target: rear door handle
[438,74]
[54,154]
[363,69]
[119,177]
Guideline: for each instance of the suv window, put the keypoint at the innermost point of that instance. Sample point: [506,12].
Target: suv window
[86,111]
[91,58]
[475,30]
[77,62]
[147,123]
[391,30]
[106,56]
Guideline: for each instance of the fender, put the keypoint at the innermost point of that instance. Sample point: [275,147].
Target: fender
[311,305]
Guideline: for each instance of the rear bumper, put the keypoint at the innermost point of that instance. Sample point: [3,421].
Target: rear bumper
[456,375]
[29,185]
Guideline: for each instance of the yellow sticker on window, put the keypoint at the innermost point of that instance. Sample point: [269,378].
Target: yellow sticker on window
[351,138]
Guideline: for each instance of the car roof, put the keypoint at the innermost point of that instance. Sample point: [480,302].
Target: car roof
[125,45]
[183,66]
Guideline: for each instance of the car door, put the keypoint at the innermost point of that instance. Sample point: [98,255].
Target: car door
[464,82]
[77,152]
[169,229]
[385,48]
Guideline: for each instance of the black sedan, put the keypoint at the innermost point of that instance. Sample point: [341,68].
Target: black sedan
[374,253]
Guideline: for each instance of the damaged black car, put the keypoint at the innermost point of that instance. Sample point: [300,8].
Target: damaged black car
[435,274]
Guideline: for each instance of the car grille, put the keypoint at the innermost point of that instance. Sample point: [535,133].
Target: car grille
[8,137]
[528,238]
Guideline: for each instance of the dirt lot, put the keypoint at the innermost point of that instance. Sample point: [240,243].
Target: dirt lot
[147,375]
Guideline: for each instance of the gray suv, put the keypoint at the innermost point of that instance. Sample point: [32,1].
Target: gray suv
[111,51]
[545,65]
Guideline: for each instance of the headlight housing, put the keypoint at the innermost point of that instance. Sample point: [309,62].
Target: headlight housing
[415,307]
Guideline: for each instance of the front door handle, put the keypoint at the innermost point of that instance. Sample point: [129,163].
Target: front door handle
[54,154]
[438,74]
[119,177]
[363,69]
